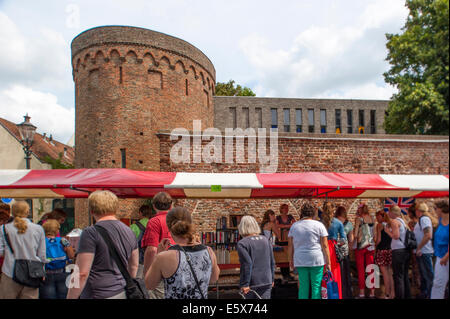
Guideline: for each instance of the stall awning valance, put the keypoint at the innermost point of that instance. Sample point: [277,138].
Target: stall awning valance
[125,183]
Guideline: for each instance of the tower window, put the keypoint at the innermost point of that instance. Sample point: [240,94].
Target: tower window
[123,152]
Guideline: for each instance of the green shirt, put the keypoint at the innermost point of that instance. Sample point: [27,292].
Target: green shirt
[136,229]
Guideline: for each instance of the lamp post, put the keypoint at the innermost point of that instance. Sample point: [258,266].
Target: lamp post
[27,131]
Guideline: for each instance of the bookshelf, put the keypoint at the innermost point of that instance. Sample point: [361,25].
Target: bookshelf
[224,243]
[224,239]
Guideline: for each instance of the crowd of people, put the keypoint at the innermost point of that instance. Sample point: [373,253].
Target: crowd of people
[163,250]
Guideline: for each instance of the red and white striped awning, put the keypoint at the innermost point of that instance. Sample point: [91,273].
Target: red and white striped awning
[125,183]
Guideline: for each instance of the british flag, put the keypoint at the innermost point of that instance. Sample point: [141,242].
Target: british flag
[402,202]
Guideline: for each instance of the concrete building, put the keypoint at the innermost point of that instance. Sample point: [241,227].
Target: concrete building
[300,115]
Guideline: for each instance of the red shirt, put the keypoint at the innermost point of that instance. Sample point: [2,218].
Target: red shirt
[156,231]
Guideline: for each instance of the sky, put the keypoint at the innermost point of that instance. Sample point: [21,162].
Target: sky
[288,48]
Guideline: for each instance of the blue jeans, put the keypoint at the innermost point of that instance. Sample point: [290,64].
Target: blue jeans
[54,286]
[425,263]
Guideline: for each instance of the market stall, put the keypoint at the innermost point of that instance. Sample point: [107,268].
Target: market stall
[125,183]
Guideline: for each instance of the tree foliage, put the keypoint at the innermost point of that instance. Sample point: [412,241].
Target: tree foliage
[419,59]
[228,89]
[57,163]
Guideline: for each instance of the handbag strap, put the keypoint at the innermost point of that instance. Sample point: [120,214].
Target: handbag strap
[8,243]
[188,259]
[113,252]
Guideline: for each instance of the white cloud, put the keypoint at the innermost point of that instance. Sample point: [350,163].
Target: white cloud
[370,91]
[330,60]
[41,61]
[43,108]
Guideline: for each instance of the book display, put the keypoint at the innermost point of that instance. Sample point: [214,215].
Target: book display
[224,239]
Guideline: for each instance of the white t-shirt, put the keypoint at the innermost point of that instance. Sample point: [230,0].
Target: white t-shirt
[306,236]
[425,222]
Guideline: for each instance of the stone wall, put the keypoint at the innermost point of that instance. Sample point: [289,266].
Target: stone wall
[388,154]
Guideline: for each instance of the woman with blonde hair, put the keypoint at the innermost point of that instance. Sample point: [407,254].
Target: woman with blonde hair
[401,256]
[423,231]
[186,268]
[20,240]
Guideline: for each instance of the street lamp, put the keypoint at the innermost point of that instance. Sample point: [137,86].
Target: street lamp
[27,131]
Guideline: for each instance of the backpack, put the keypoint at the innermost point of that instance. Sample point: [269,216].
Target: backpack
[141,235]
[410,238]
[55,253]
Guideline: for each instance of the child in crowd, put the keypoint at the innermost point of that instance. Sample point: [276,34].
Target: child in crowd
[58,252]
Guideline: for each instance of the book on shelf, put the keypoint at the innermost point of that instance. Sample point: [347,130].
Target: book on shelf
[221,223]
[223,254]
[235,220]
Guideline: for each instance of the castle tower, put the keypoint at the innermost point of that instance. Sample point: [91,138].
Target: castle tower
[129,84]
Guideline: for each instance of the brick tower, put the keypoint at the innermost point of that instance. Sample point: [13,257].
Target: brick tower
[131,83]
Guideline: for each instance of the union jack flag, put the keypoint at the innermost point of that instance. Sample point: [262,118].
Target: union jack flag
[402,202]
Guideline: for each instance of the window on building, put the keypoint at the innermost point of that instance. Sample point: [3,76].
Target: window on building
[287,119]
[349,121]
[298,120]
[323,121]
[361,122]
[274,114]
[373,125]
[233,117]
[246,114]
[338,121]
[258,112]
[123,152]
[311,120]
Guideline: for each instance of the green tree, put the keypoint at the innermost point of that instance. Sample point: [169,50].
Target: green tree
[228,89]
[419,59]
[57,163]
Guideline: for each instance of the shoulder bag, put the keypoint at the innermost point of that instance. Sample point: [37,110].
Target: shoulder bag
[135,287]
[28,273]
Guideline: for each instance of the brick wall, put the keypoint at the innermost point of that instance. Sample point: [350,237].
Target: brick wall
[130,83]
[384,154]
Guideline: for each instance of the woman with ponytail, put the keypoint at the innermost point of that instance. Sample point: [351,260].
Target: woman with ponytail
[20,239]
[186,268]
[401,256]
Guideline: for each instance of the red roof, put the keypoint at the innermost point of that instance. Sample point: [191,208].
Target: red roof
[42,146]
